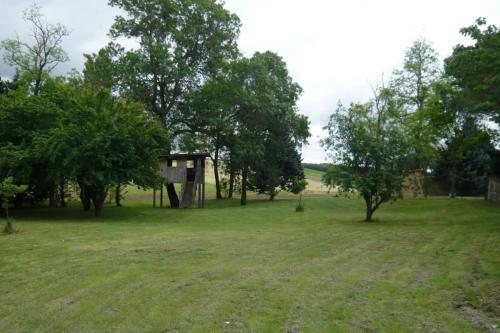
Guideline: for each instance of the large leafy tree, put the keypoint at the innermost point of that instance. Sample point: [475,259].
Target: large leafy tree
[370,149]
[463,145]
[23,119]
[420,69]
[181,42]
[279,169]
[101,142]
[211,114]
[267,123]
[42,54]
[413,84]
[476,68]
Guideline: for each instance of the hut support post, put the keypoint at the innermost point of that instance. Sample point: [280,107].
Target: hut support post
[203,195]
[199,180]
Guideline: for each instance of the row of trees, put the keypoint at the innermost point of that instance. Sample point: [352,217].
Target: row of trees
[426,119]
[185,87]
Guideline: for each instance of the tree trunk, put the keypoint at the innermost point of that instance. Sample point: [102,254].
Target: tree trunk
[272,196]
[85,197]
[172,196]
[52,197]
[98,198]
[369,214]
[369,209]
[215,160]
[62,195]
[244,176]
[118,196]
[453,182]
[36,89]
[231,184]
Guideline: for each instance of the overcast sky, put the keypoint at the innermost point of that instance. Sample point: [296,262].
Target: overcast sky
[334,49]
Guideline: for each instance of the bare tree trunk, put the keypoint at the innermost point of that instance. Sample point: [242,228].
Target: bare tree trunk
[62,195]
[36,89]
[85,197]
[369,209]
[215,160]
[52,197]
[231,183]
[453,182]
[7,209]
[98,198]
[118,195]
[244,176]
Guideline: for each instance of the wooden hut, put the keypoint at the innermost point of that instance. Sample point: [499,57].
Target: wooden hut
[188,170]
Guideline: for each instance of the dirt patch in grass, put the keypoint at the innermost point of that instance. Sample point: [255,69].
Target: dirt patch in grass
[481,304]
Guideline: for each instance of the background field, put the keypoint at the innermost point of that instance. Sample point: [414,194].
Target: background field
[426,265]
[313,177]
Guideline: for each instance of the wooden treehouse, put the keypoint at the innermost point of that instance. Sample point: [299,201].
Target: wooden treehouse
[188,170]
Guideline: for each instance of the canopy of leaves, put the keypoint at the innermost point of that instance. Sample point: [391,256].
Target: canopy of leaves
[181,42]
[370,150]
[476,68]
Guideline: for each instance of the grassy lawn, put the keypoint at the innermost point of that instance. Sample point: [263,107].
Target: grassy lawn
[428,265]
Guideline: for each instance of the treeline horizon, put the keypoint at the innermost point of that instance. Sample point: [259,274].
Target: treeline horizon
[186,87]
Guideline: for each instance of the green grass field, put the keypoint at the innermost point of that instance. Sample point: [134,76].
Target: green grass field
[314,175]
[426,266]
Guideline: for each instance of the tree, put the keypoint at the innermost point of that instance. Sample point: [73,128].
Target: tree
[266,121]
[103,142]
[7,86]
[181,43]
[24,119]
[210,113]
[279,169]
[369,148]
[420,69]
[43,55]
[476,69]
[101,70]
[413,85]
[463,143]
[8,191]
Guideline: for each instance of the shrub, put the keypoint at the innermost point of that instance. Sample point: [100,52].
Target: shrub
[10,227]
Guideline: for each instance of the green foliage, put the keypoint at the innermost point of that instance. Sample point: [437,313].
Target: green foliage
[24,120]
[413,86]
[103,141]
[464,144]
[182,43]
[476,68]
[268,129]
[370,150]
[464,160]
[101,70]
[420,69]
[8,191]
